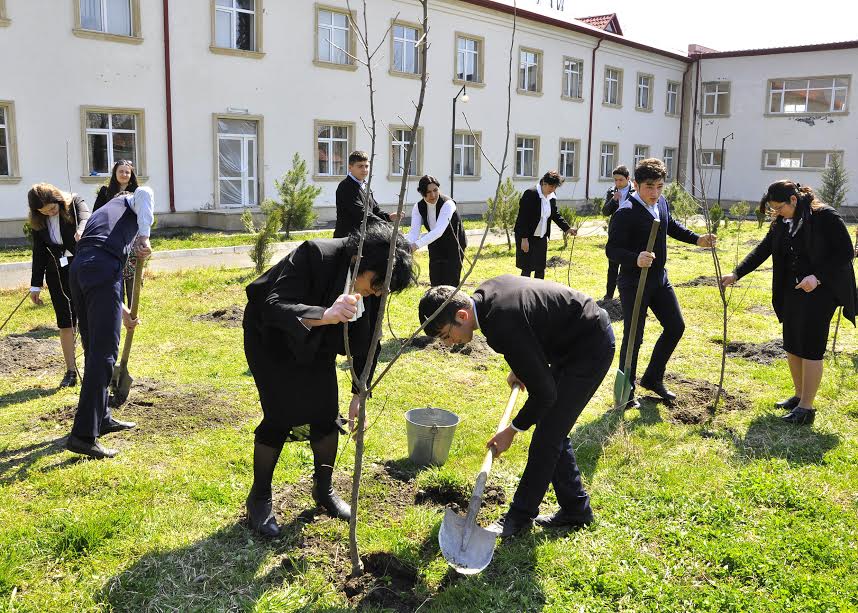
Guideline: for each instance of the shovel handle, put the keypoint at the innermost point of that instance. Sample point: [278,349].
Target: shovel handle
[636,311]
[504,420]
[135,303]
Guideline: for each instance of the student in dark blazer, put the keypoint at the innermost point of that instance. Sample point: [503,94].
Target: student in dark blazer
[537,208]
[627,238]
[353,198]
[812,275]
[559,345]
[57,220]
[292,334]
[614,197]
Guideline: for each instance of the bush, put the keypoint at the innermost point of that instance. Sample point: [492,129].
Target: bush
[264,237]
[680,201]
[835,183]
[297,197]
[572,218]
[506,211]
[716,214]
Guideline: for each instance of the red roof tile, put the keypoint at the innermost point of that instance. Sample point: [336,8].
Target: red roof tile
[603,21]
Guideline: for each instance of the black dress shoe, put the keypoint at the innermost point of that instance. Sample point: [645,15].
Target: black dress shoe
[115,425]
[800,416]
[70,379]
[789,404]
[658,388]
[328,499]
[94,449]
[563,519]
[510,525]
[260,516]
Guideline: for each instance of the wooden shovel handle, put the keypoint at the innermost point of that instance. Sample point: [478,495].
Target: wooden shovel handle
[636,311]
[504,420]
[135,303]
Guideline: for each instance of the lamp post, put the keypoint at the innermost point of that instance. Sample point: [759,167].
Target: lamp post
[721,167]
[464,94]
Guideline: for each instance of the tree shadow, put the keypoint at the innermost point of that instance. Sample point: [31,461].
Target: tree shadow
[768,436]
[15,464]
[26,395]
[40,332]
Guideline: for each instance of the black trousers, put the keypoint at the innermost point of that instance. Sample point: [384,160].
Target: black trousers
[661,300]
[445,272]
[613,273]
[96,284]
[551,459]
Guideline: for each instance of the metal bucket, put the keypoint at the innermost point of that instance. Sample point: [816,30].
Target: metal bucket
[430,434]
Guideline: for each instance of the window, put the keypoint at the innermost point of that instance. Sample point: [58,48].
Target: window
[116,20]
[573,73]
[613,94]
[236,27]
[526,156]
[814,95]
[710,158]
[406,50]
[798,160]
[669,155]
[335,42]
[111,135]
[333,144]
[529,71]
[4,20]
[237,161]
[568,158]
[8,150]
[672,107]
[400,136]
[465,155]
[716,98]
[644,97]
[607,163]
[469,59]
[641,153]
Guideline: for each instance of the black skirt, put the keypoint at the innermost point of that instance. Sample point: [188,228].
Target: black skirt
[806,321]
[57,280]
[536,256]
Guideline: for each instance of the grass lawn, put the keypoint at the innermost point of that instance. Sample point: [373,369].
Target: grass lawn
[737,513]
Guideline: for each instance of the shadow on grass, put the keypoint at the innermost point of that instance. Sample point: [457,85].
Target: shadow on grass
[769,436]
[26,395]
[15,464]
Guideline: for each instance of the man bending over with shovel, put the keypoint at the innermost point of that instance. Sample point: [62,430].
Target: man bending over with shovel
[559,345]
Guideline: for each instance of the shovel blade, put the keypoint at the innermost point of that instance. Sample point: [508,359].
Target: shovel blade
[472,558]
[622,390]
[120,386]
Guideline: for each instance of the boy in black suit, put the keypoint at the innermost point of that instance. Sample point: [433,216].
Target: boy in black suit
[627,238]
[559,345]
[353,197]
[614,197]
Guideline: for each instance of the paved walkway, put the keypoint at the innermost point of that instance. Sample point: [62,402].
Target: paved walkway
[17,274]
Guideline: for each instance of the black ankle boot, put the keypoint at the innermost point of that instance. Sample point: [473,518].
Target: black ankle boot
[260,516]
[325,496]
[70,379]
[260,512]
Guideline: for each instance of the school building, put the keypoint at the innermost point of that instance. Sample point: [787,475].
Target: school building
[212,98]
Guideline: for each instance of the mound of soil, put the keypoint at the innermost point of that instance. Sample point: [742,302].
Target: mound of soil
[761,310]
[478,348]
[556,261]
[230,317]
[702,281]
[458,498]
[164,408]
[613,307]
[34,352]
[761,353]
[694,398]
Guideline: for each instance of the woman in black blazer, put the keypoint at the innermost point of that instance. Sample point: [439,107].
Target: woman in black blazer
[811,276]
[57,220]
[537,208]
[122,179]
[292,334]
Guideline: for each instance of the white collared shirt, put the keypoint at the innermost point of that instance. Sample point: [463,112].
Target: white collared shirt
[359,306]
[544,212]
[437,227]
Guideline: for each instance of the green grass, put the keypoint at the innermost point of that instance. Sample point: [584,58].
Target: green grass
[742,514]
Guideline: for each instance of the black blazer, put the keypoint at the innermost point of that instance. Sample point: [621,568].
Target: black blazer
[44,251]
[627,237]
[351,202]
[829,248]
[611,205]
[536,324]
[529,208]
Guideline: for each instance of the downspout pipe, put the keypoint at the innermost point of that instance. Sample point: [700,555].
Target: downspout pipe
[693,122]
[590,124]
[681,177]
[169,106]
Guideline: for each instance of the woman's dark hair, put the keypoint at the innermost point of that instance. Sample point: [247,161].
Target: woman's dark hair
[376,247]
[40,196]
[113,187]
[425,182]
[780,191]
[434,298]
[552,177]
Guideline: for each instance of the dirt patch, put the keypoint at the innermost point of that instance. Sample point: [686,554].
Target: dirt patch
[34,352]
[693,404]
[701,281]
[478,348]
[751,242]
[613,307]
[457,498]
[164,408]
[231,316]
[761,353]
[556,261]
[759,309]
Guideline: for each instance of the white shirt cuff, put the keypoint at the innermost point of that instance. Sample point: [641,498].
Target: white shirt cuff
[511,425]
[35,289]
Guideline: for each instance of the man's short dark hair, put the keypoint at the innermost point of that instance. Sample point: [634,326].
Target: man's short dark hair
[552,177]
[358,156]
[650,169]
[621,170]
[434,298]
[376,247]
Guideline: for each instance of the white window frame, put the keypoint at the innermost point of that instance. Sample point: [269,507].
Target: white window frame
[404,42]
[800,154]
[245,174]
[350,48]
[460,148]
[256,30]
[476,54]
[139,141]
[613,84]
[671,171]
[719,93]
[645,85]
[398,145]
[565,153]
[4,18]
[641,152]
[521,149]
[834,89]
[8,126]
[607,160]
[526,68]
[708,158]
[329,143]
[133,37]
[572,68]
[672,96]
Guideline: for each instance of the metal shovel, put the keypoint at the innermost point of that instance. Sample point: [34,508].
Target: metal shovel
[623,384]
[467,547]
[120,383]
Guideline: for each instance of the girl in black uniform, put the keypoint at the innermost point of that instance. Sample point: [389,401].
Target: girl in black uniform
[122,179]
[811,276]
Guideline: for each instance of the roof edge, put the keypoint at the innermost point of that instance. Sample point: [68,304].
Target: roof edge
[848,44]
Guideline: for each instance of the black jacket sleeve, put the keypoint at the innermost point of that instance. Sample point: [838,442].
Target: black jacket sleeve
[350,204]
[619,238]
[836,236]
[528,214]
[610,207]
[82,213]
[376,210]
[759,255]
[100,199]
[40,259]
